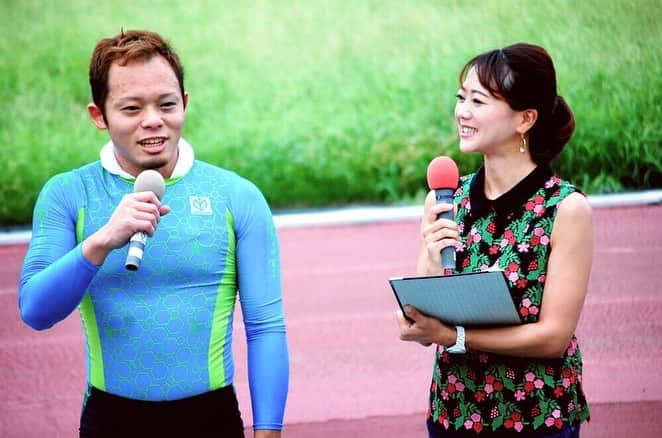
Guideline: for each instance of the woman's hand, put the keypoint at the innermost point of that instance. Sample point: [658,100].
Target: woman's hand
[424,330]
[436,234]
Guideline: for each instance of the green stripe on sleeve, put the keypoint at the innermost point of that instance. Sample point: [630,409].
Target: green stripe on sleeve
[225,299]
[87,315]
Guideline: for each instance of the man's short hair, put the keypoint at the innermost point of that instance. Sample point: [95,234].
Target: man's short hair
[124,48]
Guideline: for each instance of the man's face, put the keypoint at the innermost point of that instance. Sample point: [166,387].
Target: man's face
[144,115]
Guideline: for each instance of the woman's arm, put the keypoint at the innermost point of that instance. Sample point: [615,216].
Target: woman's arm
[565,289]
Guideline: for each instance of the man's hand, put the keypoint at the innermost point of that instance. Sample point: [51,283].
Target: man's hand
[136,212]
[263,433]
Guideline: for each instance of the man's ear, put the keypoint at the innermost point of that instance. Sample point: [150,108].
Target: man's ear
[97,116]
[185,100]
[527,120]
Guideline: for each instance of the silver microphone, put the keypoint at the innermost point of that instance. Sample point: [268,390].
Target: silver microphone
[147,181]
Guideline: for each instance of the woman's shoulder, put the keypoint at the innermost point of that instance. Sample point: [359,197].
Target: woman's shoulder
[557,190]
[575,205]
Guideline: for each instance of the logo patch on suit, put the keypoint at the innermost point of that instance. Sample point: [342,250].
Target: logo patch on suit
[200,205]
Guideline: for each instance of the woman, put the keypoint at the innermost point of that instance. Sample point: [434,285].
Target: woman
[514,215]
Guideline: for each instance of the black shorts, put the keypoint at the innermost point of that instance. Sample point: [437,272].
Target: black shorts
[213,414]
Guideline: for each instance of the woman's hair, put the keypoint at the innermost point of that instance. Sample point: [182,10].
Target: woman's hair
[126,47]
[523,75]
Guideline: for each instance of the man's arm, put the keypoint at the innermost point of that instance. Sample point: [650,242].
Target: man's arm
[55,273]
[258,261]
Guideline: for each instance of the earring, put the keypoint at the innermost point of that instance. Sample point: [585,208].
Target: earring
[522,147]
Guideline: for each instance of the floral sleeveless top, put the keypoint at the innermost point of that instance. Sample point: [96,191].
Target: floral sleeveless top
[479,390]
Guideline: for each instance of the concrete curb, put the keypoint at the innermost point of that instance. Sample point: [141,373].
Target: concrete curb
[367,215]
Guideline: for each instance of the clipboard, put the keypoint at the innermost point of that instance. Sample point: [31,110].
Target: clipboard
[473,299]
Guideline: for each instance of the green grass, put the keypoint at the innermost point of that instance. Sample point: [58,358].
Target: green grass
[331,102]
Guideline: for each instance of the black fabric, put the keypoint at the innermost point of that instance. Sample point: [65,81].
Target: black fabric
[510,201]
[213,414]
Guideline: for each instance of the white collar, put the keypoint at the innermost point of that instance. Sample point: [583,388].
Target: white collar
[184,160]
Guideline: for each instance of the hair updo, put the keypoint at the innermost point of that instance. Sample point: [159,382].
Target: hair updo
[524,76]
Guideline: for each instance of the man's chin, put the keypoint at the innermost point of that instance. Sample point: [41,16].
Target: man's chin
[154,164]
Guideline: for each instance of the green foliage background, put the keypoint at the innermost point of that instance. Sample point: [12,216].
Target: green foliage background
[331,102]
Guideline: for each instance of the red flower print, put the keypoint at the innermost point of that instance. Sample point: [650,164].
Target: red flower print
[528,387]
[474,423]
[511,272]
[480,396]
[491,227]
[514,421]
[521,283]
[509,236]
[558,391]
[554,419]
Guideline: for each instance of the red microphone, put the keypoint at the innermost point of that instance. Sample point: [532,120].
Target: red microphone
[443,178]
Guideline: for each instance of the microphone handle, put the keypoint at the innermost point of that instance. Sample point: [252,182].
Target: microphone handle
[445,196]
[136,247]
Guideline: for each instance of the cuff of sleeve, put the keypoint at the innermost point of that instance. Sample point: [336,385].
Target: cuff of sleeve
[84,261]
[268,426]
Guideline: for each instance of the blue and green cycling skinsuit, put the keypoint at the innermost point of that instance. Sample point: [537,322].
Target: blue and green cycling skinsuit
[164,332]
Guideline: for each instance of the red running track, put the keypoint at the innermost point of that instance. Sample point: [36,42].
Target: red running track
[350,375]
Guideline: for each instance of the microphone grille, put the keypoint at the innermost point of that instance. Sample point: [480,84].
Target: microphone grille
[443,173]
[150,181]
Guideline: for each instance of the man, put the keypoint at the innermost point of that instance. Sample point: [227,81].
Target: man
[159,339]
